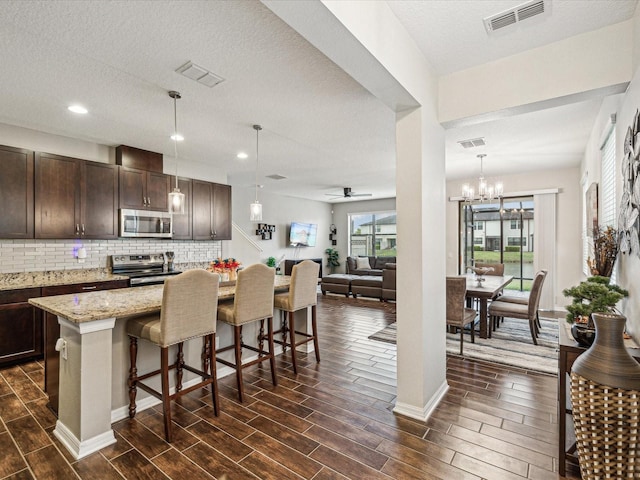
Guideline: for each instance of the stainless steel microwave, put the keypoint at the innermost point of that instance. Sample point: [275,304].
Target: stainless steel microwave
[145,223]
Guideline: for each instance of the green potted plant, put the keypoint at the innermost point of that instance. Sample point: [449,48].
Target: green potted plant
[271,262]
[332,258]
[596,294]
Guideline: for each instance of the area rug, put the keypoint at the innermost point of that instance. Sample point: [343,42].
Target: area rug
[510,344]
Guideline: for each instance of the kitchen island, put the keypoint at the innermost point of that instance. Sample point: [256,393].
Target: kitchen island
[94,351]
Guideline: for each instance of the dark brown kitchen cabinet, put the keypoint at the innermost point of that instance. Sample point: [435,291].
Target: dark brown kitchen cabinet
[182,222]
[20,326]
[16,193]
[99,200]
[52,332]
[211,211]
[143,190]
[75,198]
[57,196]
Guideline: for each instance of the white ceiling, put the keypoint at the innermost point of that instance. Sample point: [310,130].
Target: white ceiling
[321,129]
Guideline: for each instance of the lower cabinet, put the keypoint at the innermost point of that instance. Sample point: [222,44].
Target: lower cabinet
[52,332]
[20,326]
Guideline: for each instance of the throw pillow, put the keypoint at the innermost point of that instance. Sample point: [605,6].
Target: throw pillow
[362,263]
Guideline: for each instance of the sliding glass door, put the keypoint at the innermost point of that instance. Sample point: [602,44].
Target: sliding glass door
[500,231]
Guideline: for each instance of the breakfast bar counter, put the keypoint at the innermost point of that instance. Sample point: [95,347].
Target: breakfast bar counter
[94,361]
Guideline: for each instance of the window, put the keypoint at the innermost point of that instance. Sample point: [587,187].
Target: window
[478,226]
[515,224]
[517,241]
[372,234]
[478,240]
[608,186]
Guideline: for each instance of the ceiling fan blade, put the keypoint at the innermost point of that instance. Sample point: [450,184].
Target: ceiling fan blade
[333,195]
[361,194]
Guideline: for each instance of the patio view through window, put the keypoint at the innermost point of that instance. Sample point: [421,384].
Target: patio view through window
[372,234]
[499,231]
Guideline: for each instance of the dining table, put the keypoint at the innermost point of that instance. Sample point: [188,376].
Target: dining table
[94,356]
[485,288]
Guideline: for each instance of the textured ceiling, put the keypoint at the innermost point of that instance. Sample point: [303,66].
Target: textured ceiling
[321,129]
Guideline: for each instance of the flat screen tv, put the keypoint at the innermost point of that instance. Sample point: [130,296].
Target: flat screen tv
[303,234]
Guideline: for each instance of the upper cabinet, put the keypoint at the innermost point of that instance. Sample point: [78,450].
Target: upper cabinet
[140,189]
[75,198]
[211,211]
[16,193]
[99,200]
[57,196]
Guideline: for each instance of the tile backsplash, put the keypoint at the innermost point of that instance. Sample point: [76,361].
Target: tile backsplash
[46,255]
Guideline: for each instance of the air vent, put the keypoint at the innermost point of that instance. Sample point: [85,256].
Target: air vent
[515,15]
[474,142]
[275,176]
[200,74]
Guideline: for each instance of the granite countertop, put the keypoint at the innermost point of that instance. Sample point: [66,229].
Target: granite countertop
[122,302]
[13,281]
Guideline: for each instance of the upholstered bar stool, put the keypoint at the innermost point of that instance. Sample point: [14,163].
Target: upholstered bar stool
[253,302]
[189,307]
[302,293]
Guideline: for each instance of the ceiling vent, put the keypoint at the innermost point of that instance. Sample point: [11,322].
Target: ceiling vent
[473,142]
[200,74]
[275,176]
[515,15]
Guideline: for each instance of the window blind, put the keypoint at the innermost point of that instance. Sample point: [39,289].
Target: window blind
[608,181]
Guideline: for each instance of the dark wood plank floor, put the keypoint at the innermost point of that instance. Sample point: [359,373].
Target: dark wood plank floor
[331,421]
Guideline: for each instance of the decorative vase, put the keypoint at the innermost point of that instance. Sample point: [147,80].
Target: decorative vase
[583,334]
[233,275]
[605,394]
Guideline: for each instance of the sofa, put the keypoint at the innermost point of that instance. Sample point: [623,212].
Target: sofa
[376,265]
[376,286]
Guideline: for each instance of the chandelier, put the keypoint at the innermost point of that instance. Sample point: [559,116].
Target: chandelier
[486,191]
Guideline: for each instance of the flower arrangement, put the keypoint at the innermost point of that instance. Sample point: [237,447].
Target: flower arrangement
[226,267]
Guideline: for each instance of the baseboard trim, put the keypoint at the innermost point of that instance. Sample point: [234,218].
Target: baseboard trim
[80,449]
[425,412]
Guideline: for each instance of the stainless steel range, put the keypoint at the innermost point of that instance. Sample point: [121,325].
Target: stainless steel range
[142,270]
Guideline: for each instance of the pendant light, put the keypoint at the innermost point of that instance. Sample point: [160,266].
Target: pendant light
[176,198]
[256,207]
[485,191]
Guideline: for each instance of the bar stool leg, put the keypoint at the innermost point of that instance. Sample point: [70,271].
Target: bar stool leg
[284,315]
[179,367]
[272,360]
[211,342]
[166,400]
[261,338]
[237,340]
[292,336]
[314,330]
[133,375]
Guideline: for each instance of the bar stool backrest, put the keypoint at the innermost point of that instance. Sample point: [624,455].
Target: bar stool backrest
[304,285]
[254,294]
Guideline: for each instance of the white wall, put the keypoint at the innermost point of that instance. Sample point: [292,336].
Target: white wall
[280,211]
[568,221]
[582,63]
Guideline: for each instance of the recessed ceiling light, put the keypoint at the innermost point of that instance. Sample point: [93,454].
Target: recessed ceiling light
[177,137]
[242,156]
[77,109]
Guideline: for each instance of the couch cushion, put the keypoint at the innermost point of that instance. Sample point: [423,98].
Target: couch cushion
[382,261]
[362,263]
[351,264]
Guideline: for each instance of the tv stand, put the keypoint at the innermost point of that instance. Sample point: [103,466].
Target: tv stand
[288,265]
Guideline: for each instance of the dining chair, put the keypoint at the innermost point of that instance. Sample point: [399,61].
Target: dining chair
[253,302]
[303,293]
[457,314]
[525,301]
[188,311]
[499,309]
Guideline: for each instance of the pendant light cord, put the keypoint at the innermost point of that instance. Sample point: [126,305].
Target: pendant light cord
[175,134]
[257,129]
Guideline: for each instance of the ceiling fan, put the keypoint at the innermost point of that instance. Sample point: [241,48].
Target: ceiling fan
[347,193]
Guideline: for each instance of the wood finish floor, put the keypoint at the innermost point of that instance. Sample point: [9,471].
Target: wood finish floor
[331,421]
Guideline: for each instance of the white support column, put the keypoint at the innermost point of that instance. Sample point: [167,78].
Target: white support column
[421,340]
[84,414]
